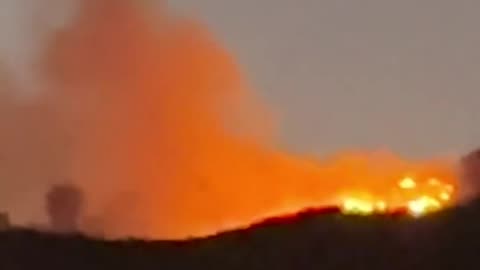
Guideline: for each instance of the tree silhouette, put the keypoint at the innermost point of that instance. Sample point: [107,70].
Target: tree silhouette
[64,207]
[4,221]
[470,176]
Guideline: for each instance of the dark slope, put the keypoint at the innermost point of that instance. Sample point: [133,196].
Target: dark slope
[311,240]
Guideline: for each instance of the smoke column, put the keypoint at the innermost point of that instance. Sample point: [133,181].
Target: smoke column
[167,139]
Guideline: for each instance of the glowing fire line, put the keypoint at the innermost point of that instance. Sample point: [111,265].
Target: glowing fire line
[417,200]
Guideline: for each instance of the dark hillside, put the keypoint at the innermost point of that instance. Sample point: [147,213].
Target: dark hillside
[311,240]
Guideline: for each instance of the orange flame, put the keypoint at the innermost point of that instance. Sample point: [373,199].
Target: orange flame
[159,110]
[432,195]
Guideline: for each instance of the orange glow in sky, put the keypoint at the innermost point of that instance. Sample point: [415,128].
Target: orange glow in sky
[171,142]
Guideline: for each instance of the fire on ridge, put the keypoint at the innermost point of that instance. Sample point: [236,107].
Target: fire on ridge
[417,197]
[162,113]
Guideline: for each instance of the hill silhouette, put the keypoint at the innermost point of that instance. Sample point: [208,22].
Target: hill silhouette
[314,239]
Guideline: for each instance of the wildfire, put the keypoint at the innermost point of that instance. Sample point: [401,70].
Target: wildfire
[161,111]
[418,200]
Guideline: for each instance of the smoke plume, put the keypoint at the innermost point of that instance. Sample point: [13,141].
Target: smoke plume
[154,107]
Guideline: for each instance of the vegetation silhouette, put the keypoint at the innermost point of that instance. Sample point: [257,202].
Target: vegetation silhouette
[64,205]
[314,239]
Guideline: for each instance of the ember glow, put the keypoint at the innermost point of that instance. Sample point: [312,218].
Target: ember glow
[417,198]
[170,142]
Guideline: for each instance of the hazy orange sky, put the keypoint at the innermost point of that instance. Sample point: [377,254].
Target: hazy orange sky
[339,75]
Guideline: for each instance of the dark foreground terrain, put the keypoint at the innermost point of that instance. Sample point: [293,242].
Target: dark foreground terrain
[312,240]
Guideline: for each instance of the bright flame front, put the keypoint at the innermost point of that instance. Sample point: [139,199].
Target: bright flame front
[418,198]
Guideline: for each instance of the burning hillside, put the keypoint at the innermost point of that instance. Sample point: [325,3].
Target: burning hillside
[416,198]
[156,109]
